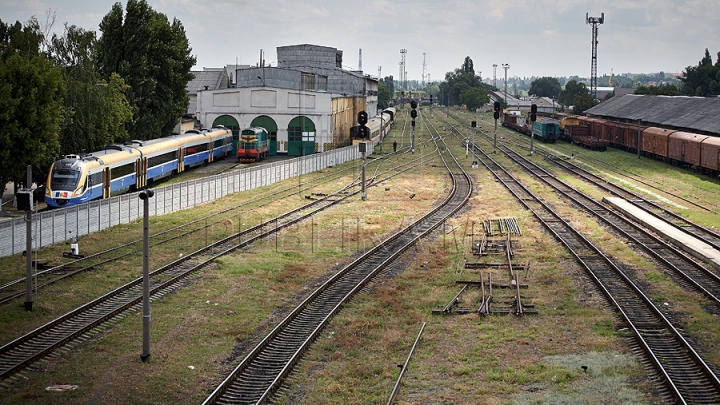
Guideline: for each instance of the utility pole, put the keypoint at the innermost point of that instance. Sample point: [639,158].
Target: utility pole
[145,196]
[403,73]
[594,22]
[495,75]
[424,70]
[506,67]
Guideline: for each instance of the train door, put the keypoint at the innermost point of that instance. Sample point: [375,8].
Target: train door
[140,173]
[181,160]
[106,182]
[211,151]
[270,126]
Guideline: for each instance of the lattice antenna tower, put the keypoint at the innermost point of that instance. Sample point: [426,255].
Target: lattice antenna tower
[594,22]
[403,74]
[495,75]
[424,70]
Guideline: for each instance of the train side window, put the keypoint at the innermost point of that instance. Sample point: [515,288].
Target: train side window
[123,170]
[94,179]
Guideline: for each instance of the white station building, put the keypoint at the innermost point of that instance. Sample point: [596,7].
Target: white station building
[307,103]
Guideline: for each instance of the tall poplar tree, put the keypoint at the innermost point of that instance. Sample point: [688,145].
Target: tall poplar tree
[96,110]
[154,58]
[31,97]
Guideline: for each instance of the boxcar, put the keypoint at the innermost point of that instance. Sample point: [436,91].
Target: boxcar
[564,123]
[655,141]
[685,147]
[580,135]
[546,129]
[710,154]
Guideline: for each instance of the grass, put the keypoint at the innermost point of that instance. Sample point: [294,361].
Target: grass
[201,331]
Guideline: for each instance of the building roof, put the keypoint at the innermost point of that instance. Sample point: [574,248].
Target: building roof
[697,114]
[210,78]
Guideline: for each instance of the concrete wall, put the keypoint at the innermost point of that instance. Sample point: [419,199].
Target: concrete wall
[282,105]
[309,55]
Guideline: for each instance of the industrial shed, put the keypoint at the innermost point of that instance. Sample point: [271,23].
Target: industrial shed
[693,114]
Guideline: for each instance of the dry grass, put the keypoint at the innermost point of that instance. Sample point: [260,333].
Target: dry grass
[213,322]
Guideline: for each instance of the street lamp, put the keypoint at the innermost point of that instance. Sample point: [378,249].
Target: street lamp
[145,195]
[506,67]
[262,80]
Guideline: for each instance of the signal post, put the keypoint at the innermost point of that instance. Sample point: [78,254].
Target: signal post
[413,115]
[533,118]
[496,115]
[362,118]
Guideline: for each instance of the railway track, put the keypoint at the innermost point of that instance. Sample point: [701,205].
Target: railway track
[27,349]
[681,265]
[699,232]
[16,289]
[684,375]
[261,373]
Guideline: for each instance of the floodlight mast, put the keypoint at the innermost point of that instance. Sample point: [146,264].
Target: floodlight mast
[594,21]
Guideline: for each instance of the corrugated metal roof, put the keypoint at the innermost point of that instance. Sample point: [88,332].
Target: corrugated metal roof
[213,79]
[696,114]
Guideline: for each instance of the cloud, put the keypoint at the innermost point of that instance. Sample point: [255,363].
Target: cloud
[536,37]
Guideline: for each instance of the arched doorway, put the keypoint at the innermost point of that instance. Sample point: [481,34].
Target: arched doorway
[270,126]
[301,136]
[232,124]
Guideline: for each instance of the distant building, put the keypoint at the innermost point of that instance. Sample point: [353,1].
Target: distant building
[520,106]
[692,114]
[308,103]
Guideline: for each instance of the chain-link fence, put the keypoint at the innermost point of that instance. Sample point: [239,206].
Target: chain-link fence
[61,224]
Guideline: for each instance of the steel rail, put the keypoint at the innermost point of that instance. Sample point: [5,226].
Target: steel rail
[671,355]
[260,374]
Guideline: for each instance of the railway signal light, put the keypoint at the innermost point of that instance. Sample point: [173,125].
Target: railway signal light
[496,108]
[362,118]
[413,114]
[413,104]
[24,200]
[533,112]
[473,124]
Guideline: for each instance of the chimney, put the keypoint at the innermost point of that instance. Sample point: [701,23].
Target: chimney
[360,61]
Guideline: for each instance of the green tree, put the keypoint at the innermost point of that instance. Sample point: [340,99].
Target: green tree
[468,66]
[154,58]
[669,90]
[545,87]
[458,81]
[389,83]
[474,97]
[96,111]
[31,94]
[702,80]
[572,90]
[383,96]
[583,103]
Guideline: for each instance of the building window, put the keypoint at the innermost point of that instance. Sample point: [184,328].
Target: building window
[308,81]
[322,83]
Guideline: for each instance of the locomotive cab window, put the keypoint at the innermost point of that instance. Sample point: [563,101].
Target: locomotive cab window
[65,179]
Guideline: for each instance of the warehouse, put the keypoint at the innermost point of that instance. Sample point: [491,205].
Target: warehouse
[308,102]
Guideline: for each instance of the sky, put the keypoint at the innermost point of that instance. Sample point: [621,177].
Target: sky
[535,38]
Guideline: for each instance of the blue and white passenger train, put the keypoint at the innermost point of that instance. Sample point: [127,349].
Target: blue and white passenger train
[117,169]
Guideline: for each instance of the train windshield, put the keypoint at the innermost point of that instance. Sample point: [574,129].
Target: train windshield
[64,179]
